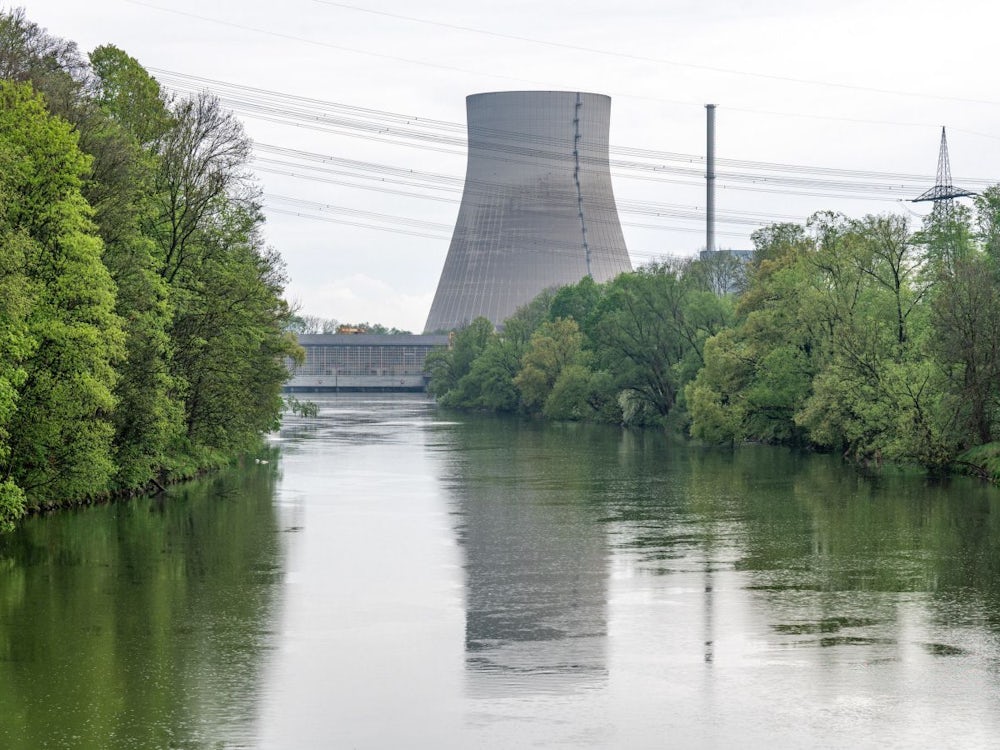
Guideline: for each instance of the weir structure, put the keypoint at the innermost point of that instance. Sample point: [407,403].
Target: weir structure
[538,210]
[362,362]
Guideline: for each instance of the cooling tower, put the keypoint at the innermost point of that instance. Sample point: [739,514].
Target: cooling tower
[538,210]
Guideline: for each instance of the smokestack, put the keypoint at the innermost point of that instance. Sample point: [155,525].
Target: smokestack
[710,181]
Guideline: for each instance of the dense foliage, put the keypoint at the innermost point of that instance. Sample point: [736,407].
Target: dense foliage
[860,336]
[617,352]
[142,329]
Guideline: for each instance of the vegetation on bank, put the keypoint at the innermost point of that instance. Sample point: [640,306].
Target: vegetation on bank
[142,328]
[860,336]
[308,324]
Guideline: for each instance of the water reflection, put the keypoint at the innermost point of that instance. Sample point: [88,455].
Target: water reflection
[370,652]
[140,624]
[731,585]
[832,602]
[412,578]
[536,556]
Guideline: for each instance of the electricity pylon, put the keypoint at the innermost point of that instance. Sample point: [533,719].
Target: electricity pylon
[943,190]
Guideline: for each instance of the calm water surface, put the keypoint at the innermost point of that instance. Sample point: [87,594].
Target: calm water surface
[399,577]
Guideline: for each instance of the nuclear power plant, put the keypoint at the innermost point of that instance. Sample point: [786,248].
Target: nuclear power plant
[538,209]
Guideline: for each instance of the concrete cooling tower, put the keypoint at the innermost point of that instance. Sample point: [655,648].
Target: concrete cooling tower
[538,210]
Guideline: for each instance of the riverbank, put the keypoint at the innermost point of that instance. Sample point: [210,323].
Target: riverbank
[180,472]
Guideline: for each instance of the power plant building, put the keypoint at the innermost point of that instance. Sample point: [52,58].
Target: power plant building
[363,362]
[538,210]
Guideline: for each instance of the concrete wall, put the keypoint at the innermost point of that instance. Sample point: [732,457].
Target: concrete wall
[335,383]
[363,362]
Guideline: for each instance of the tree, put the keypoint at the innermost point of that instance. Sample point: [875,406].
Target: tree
[486,381]
[757,374]
[888,255]
[649,332]
[554,346]
[829,347]
[966,343]
[577,301]
[132,98]
[16,342]
[449,366]
[965,322]
[202,172]
[489,384]
[123,135]
[988,222]
[722,272]
[873,396]
[946,236]
[229,333]
[141,320]
[572,395]
[53,66]
[306,324]
[60,433]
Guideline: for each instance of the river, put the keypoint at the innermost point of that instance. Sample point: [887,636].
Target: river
[393,576]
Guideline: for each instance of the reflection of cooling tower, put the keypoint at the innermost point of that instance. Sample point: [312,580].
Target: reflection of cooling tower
[538,210]
[531,522]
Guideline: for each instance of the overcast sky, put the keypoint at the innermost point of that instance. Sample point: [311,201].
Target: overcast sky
[857,86]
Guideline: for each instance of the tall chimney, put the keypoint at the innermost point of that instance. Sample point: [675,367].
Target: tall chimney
[710,181]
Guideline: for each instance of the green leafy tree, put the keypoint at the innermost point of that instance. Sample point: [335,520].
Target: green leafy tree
[125,91]
[965,341]
[53,66]
[489,384]
[988,223]
[947,237]
[649,332]
[449,366]
[202,172]
[757,375]
[142,328]
[229,333]
[555,346]
[16,342]
[874,396]
[830,347]
[132,117]
[60,433]
[577,301]
[228,336]
[490,381]
[580,393]
[722,272]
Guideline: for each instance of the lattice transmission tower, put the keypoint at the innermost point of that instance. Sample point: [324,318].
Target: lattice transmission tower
[943,193]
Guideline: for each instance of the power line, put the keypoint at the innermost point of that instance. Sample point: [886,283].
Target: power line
[345,222]
[419,224]
[334,219]
[549,84]
[657,60]
[376,175]
[448,137]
